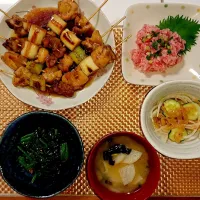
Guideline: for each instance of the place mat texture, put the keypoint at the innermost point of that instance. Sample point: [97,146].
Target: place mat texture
[115,108]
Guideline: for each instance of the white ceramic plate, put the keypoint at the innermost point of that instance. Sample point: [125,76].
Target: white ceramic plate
[56,103]
[187,150]
[140,14]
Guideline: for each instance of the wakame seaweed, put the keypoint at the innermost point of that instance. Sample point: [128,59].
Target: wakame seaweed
[43,152]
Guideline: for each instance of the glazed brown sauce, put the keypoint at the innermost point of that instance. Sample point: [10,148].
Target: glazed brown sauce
[67,37]
[53,21]
[35,35]
[40,16]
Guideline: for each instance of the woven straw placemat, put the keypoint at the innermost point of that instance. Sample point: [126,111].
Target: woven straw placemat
[115,108]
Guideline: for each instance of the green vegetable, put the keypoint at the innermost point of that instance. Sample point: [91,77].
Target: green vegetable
[78,55]
[186,27]
[154,34]
[155,45]
[43,152]
[177,135]
[171,105]
[64,153]
[148,57]
[35,68]
[169,51]
[193,110]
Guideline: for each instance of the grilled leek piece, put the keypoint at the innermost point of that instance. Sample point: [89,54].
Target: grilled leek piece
[57,24]
[78,55]
[35,68]
[88,66]
[36,34]
[30,50]
[70,40]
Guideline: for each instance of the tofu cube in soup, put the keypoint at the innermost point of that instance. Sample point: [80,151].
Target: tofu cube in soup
[30,50]
[36,34]
[88,66]
[70,40]
[57,24]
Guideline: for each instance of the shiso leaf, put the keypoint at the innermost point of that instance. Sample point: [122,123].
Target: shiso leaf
[186,27]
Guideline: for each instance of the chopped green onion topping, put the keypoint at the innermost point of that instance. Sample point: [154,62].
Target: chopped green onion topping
[155,45]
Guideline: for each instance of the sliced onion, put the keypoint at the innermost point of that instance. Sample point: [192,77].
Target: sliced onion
[127,174]
[132,157]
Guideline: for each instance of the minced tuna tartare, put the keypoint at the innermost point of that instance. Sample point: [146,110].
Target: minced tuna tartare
[157,50]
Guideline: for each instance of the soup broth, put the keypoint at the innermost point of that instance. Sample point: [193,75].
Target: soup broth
[113,175]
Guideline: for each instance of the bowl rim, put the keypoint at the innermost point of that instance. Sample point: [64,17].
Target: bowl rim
[143,114]
[55,115]
[104,193]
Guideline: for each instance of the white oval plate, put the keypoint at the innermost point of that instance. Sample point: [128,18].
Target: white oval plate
[187,150]
[139,14]
[30,97]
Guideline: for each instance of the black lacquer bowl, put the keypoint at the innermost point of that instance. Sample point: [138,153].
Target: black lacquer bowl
[17,177]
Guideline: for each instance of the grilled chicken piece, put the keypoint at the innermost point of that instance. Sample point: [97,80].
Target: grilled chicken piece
[54,44]
[52,74]
[14,44]
[14,60]
[65,63]
[92,43]
[82,25]
[19,25]
[51,61]
[22,77]
[42,55]
[68,9]
[62,88]
[103,55]
[38,82]
[76,78]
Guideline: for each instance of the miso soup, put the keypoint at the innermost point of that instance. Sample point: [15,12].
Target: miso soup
[121,164]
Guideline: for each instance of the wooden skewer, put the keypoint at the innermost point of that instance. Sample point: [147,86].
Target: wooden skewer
[5,72]
[3,38]
[113,26]
[97,10]
[11,74]
[6,14]
[124,40]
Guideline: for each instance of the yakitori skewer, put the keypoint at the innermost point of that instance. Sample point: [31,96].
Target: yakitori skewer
[97,10]
[11,74]
[5,13]
[113,26]
[124,40]
[5,72]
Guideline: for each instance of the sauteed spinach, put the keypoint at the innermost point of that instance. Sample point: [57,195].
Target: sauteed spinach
[43,152]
